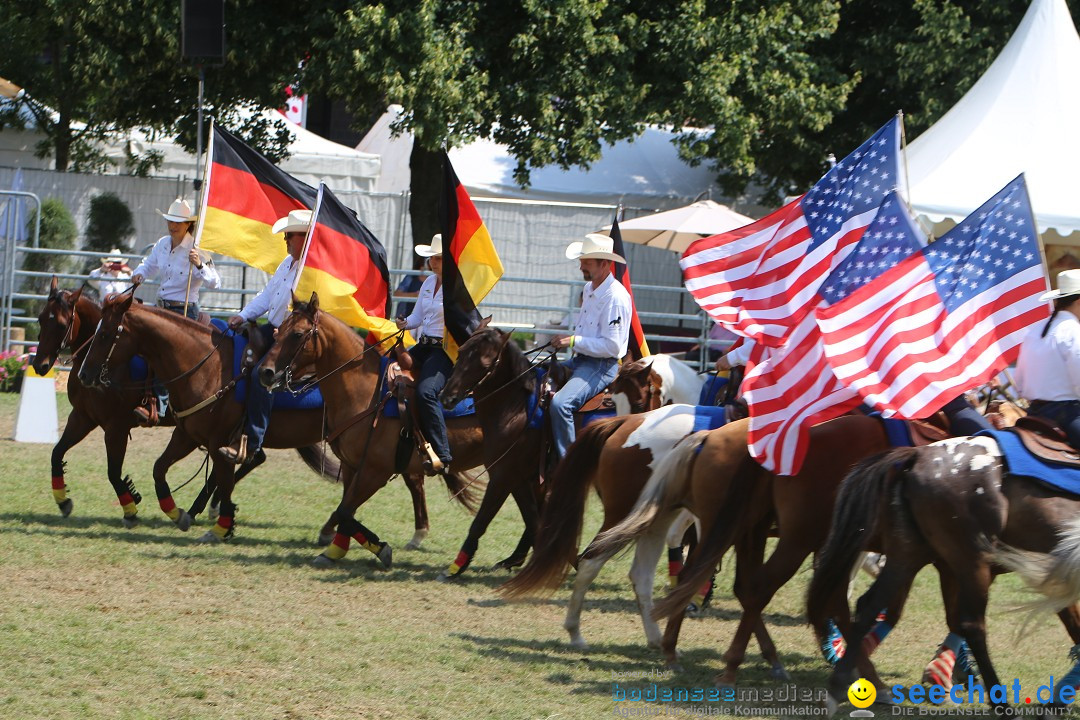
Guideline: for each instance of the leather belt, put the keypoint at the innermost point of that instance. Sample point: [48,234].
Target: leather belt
[428,340]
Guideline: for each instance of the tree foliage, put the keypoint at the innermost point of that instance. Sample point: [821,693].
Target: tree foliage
[109,224]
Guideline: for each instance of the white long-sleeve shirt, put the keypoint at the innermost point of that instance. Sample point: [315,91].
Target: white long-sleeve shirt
[273,301]
[106,283]
[172,267]
[603,327]
[427,314]
[1049,367]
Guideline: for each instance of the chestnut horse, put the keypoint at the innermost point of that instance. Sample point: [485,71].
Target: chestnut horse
[736,501]
[349,373]
[195,363]
[954,504]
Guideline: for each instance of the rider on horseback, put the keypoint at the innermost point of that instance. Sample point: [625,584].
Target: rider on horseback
[1048,369]
[431,365]
[601,336]
[273,302]
[171,260]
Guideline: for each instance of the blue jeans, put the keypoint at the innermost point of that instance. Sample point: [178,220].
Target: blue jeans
[259,400]
[1065,413]
[432,368]
[590,376]
[964,419]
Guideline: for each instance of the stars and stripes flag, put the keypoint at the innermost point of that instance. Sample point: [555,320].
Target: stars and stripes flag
[761,280]
[638,347]
[946,319]
[793,387]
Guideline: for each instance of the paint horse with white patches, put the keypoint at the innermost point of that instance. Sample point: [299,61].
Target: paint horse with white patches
[617,457]
[654,381]
[962,505]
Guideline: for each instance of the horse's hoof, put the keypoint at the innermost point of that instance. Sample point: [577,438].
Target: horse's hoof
[779,673]
[212,514]
[445,576]
[324,539]
[184,521]
[321,561]
[417,539]
[386,556]
[66,507]
[508,564]
[130,521]
[210,538]
[674,666]
[692,610]
[578,643]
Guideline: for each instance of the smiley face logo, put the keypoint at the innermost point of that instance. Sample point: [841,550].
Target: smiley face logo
[862,693]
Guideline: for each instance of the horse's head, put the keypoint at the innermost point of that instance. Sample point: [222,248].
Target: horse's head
[478,359]
[295,345]
[637,388]
[59,325]
[111,345]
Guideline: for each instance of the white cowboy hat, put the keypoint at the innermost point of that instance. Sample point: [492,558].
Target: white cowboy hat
[435,248]
[1068,282]
[295,221]
[179,211]
[595,247]
[114,257]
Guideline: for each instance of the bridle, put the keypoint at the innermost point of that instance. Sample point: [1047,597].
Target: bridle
[309,334]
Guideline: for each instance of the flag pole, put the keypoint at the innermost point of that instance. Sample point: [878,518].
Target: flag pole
[205,192]
[907,180]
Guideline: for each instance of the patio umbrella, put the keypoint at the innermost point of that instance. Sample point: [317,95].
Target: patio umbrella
[675,229]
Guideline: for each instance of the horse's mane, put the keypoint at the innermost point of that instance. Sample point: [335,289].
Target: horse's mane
[519,364]
[175,318]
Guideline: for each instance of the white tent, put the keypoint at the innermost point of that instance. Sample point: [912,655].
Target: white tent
[645,172]
[1020,117]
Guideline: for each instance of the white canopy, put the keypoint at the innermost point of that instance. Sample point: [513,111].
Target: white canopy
[675,229]
[644,172]
[1020,117]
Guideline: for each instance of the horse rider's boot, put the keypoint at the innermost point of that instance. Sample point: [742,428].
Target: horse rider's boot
[146,413]
[236,453]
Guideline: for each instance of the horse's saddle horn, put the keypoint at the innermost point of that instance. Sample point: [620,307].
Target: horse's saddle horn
[256,347]
[1046,441]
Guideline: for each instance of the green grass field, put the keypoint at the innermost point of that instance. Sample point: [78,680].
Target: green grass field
[101,622]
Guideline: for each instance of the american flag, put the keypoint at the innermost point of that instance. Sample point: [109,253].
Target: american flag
[794,388]
[947,318]
[762,280]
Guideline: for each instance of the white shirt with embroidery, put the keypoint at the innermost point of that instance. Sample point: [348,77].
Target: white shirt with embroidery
[106,283]
[603,326]
[171,266]
[427,314]
[1049,367]
[274,299]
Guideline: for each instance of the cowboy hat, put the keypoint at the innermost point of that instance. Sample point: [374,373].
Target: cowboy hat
[295,221]
[114,257]
[179,211]
[435,248]
[1068,283]
[595,247]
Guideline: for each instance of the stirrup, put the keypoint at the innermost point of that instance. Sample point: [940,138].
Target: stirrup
[145,415]
[238,454]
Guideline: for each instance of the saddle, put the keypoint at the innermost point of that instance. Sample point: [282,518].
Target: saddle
[256,347]
[926,432]
[402,386]
[1046,441]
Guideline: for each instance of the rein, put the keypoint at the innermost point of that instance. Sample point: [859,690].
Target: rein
[532,365]
[312,332]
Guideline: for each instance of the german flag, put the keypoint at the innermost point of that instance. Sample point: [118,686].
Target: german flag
[243,195]
[471,267]
[346,264]
[637,347]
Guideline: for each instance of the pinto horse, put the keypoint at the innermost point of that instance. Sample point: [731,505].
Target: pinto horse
[653,382]
[736,501]
[616,457]
[350,375]
[955,504]
[195,363]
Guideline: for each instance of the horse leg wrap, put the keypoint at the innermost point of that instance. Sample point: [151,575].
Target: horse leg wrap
[939,670]
[338,548]
[373,546]
[674,565]
[698,600]
[223,528]
[59,489]
[128,503]
[875,637]
[832,646]
[1072,678]
[168,506]
[460,563]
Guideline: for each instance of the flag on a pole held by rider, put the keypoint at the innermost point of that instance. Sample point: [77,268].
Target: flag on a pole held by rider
[946,319]
[761,280]
[638,347]
[793,387]
[471,267]
[346,265]
[244,194]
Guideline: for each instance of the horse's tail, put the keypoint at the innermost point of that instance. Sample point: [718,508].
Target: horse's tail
[560,524]
[323,463]
[464,489]
[712,547]
[1054,575]
[855,520]
[665,488]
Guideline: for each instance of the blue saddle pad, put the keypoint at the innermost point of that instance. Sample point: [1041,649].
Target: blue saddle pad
[1020,461]
[897,431]
[390,410]
[309,400]
[137,368]
[708,417]
[711,390]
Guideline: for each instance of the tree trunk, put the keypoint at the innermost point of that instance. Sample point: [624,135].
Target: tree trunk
[425,193]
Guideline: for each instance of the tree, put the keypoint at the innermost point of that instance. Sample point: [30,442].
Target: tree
[94,67]
[109,225]
[555,81]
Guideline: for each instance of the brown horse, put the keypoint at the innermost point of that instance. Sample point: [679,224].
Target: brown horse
[195,362]
[616,457]
[349,373]
[736,501]
[654,381]
[954,504]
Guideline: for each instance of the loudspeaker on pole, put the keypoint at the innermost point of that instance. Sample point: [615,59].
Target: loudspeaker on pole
[202,29]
